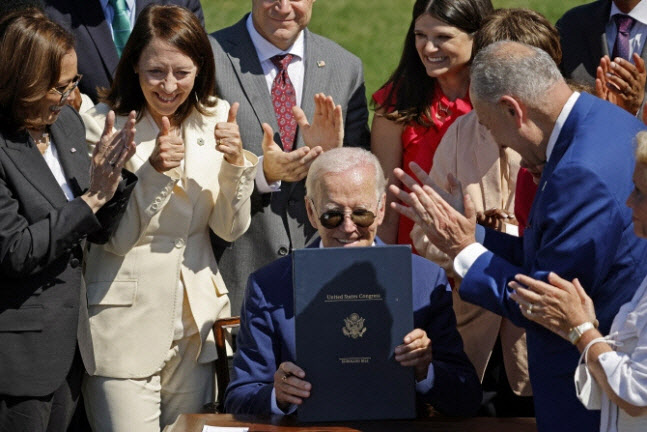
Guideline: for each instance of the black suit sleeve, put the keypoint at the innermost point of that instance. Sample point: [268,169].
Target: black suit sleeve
[195,7]
[356,132]
[27,248]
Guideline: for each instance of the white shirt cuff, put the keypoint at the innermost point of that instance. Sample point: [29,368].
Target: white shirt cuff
[467,257]
[426,384]
[275,408]
[261,182]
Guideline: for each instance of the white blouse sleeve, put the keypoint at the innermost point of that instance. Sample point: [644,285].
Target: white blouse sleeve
[626,368]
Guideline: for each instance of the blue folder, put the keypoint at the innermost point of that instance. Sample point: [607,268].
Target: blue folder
[353,306]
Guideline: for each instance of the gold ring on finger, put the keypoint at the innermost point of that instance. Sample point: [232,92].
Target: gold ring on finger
[284,378]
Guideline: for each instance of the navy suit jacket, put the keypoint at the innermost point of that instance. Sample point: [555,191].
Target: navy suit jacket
[579,227]
[95,49]
[266,339]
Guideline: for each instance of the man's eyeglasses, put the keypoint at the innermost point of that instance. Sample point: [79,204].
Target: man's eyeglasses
[333,218]
[67,89]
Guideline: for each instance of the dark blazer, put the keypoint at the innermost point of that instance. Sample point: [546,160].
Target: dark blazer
[583,38]
[279,220]
[96,52]
[579,227]
[266,339]
[42,236]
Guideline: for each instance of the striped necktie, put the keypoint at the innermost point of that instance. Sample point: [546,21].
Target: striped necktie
[120,24]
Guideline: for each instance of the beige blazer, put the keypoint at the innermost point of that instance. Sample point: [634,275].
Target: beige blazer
[132,281]
[488,174]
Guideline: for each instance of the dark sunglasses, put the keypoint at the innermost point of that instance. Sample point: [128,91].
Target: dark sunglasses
[333,218]
[360,217]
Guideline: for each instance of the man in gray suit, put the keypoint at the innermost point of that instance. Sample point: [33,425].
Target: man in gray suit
[590,32]
[245,73]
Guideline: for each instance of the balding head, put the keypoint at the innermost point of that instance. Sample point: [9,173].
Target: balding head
[512,68]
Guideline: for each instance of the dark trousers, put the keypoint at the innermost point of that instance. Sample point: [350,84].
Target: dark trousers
[498,398]
[51,413]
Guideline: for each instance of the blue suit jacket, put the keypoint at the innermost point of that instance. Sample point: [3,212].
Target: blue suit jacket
[579,227]
[266,339]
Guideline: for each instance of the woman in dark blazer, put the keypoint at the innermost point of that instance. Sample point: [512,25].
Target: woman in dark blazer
[52,198]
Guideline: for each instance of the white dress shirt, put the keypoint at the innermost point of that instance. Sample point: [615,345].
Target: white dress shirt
[109,13]
[54,164]
[265,50]
[637,33]
[471,253]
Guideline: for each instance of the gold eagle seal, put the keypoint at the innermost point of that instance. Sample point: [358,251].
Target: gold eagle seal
[354,327]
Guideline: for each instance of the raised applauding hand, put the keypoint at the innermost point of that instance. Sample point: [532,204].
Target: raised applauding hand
[436,211]
[285,166]
[115,148]
[228,138]
[169,148]
[621,82]
[327,128]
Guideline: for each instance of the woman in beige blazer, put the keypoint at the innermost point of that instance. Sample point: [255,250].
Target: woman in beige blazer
[154,290]
[488,174]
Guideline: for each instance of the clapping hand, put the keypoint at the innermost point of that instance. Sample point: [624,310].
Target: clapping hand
[114,149]
[437,212]
[169,149]
[621,82]
[327,128]
[285,166]
[228,138]
[558,305]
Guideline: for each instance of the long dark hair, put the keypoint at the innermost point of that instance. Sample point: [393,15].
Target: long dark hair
[411,88]
[180,28]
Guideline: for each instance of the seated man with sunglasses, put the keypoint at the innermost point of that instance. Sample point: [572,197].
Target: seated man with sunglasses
[345,201]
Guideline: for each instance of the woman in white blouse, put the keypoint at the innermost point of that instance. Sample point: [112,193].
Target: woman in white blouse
[613,377]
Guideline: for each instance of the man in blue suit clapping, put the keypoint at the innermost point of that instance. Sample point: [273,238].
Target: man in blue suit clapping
[578,148]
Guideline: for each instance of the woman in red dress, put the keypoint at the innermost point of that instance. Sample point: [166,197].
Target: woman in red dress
[425,94]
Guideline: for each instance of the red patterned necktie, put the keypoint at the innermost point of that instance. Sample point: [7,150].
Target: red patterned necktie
[283,99]
[624,23]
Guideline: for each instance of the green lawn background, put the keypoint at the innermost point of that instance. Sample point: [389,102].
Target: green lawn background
[372,29]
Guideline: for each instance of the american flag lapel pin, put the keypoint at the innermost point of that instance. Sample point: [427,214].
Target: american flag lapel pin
[321,63]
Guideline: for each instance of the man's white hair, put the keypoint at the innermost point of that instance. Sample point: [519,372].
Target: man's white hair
[340,160]
[515,69]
